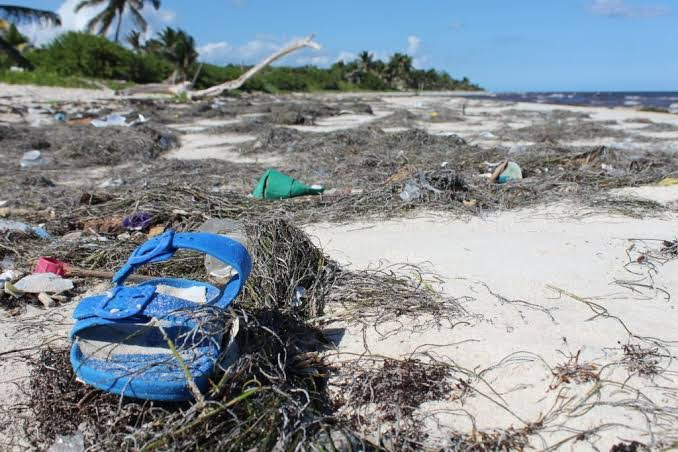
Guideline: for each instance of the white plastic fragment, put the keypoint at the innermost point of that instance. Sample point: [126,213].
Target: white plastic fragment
[68,443]
[44,282]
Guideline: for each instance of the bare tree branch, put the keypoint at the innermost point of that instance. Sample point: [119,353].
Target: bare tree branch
[186,87]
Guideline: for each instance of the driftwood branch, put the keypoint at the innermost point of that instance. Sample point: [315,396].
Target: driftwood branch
[186,87]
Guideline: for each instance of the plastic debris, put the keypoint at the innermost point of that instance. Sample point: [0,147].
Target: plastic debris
[68,443]
[488,136]
[7,226]
[228,228]
[12,226]
[299,294]
[8,275]
[44,282]
[276,185]
[31,159]
[138,221]
[50,265]
[111,183]
[612,171]
[116,120]
[11,290]
[41,232]
[411,192]
[60,116]
[507,171]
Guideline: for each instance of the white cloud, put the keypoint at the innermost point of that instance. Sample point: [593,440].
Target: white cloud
[72,21]
[346,57]
[414,49]
[619,8]
[413,45]
[250,52]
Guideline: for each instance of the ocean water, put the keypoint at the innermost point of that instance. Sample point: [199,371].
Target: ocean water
[664,100]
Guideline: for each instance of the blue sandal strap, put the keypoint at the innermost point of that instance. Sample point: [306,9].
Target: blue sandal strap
[163,247]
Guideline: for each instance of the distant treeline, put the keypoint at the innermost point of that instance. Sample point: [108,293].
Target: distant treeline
[172,55]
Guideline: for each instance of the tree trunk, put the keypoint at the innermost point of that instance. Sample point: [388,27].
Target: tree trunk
[226,86]
[117,28]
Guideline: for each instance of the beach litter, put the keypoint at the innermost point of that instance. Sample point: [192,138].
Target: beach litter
[506,172]
[138,221]
[227,228]
[276,185]
[68,443]
[8,227]
[50,265]
[116,120]
[31,159]
[44,282]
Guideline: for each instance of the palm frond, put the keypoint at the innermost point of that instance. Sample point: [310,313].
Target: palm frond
[22,14]
[103,20]
[88,4]
[14,54]
[138,19]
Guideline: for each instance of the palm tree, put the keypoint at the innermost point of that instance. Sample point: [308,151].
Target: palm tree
[399,69]
[113,9]
[366,61]
[21,14]
[134,39]
[176,46]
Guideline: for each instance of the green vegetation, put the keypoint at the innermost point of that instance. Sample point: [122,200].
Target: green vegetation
[80,59]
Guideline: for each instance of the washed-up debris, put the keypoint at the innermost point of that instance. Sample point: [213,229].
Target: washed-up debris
[411,191]
[612,171]
[48,265]
[8,227]
[506,172]
[138,221]
[44,282]
[111,183]
[436,182]
[31,159]
[68,443]
[116,120]
[8,275]
[228,228]
[276,185]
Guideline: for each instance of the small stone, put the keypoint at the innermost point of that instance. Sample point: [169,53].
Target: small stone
[46,300]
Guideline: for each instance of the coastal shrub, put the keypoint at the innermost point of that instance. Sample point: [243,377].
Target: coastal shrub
[82,54]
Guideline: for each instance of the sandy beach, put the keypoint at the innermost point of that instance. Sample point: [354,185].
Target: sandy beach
[558,327]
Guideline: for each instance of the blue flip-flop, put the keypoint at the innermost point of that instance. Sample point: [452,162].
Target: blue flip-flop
[123,340]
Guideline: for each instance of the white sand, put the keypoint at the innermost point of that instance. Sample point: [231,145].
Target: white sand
[516,255]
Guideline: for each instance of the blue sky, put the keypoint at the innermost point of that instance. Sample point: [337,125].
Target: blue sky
[517,45]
